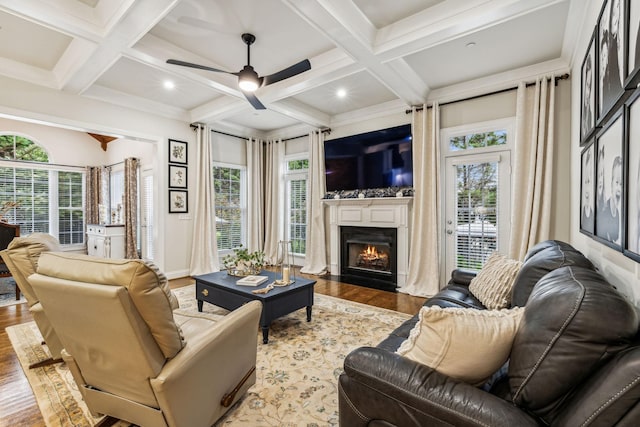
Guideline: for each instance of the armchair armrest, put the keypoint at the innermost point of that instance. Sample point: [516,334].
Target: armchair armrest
[380,385]
[461,277]
[212,363]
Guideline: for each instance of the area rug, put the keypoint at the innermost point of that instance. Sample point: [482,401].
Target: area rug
[8,292]
[297,371]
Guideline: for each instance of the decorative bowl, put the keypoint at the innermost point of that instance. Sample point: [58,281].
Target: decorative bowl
[236,272]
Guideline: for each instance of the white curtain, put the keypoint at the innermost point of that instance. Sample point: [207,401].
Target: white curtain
[316,253]
[273,199]
[423,278]
[255,191]
[204,249]
[533,166]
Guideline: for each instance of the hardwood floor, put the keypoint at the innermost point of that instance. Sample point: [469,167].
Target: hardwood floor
[18,405]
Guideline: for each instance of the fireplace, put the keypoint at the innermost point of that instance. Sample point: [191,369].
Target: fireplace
[368,257]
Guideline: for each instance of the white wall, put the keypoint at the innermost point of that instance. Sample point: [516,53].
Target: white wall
[51,107]
[621,271]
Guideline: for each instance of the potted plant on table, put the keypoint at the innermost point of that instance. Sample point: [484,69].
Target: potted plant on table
[244,263]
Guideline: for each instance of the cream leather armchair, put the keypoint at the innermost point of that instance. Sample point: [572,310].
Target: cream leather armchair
[131,355]
[21,257]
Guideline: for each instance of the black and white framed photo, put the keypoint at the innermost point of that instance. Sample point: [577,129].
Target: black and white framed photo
[633,44]
[611,54]
[177,152]
[588,93]
[609,182]
[587,189]
[632,242]
[177,176]
[178,201]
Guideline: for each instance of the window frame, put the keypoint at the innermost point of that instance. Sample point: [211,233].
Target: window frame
[289,176]
[243,201]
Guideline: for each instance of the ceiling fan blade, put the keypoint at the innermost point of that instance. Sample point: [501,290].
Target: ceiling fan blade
[192,65]
[254,101]
[291,71]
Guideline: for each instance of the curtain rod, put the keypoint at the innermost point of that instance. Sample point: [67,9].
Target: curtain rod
[325,130]
[564,76]
[194,126]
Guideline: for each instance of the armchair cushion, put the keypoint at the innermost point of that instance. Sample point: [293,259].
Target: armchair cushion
[149,295]
[493,284]
[466,344]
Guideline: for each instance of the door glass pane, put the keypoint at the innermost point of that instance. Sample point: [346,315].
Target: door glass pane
[476,213]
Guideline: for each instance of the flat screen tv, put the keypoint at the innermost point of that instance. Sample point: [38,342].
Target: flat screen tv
[377,159]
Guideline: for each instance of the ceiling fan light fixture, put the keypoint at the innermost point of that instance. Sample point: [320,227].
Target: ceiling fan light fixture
[248,79]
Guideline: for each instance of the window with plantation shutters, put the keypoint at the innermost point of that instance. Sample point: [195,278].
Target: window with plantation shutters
[296,204]
[45,198]
[228,185]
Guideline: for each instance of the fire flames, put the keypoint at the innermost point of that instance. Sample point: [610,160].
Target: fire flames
[371,258]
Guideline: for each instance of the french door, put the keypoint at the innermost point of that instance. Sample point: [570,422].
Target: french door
[477,208]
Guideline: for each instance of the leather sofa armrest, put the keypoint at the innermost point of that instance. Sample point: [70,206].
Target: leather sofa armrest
[211,364]
[461,277]
[383,386]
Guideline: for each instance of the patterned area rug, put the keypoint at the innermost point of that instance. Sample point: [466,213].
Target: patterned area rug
[297,370]
[8,292]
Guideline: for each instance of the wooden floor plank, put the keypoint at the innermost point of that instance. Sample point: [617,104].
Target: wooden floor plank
[18,406]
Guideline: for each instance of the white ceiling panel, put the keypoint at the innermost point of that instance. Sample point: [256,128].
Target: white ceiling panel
[361,90]
[148,82]
[263,120]
[384,12]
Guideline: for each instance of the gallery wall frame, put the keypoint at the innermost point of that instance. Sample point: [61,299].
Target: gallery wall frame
[177,176]
[178,201]
[610,172]
[632,177]
[588,188]
[633,44]
[612,57]
[178,152]
[588,92]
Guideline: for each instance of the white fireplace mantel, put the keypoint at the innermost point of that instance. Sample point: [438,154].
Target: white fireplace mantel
[384,212]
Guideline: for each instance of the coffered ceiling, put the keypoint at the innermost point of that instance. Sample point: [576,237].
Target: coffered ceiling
[382,54]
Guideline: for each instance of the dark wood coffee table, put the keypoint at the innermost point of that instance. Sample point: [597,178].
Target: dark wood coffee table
[220,289]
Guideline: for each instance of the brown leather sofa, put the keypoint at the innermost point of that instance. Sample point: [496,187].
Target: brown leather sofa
[132,356]
[575,359]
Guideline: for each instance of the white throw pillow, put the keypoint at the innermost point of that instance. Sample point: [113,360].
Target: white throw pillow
[493,284]
[463,343]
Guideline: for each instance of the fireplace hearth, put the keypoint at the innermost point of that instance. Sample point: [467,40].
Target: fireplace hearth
[369,257]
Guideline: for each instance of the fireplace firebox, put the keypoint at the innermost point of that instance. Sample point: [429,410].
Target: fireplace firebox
[368,257]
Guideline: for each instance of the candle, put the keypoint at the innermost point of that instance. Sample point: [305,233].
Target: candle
[285,274]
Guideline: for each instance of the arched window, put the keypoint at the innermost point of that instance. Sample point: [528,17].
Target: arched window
[39,196]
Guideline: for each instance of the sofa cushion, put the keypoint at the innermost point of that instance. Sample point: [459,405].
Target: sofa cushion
[147,291]
[466,344]
[493,284]
[542,259]
[573,322]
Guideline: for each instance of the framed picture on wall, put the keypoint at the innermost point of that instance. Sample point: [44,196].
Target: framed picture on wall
[177,176]
[178,201]
[588,93]
[587,189]
[632,241]
[633,44]
[610,170]
[611,54]
[177,152]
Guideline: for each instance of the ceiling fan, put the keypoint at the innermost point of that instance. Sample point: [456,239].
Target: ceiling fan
[248,79]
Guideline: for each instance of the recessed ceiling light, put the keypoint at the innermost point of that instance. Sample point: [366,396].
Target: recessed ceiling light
[169,85]
[341,93]
[471,44]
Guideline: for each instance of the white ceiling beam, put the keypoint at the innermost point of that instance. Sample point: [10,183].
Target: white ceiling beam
[344,24]
[301,112]
[141,17]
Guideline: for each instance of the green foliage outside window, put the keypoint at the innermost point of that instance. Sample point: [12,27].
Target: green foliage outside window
[227,188]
